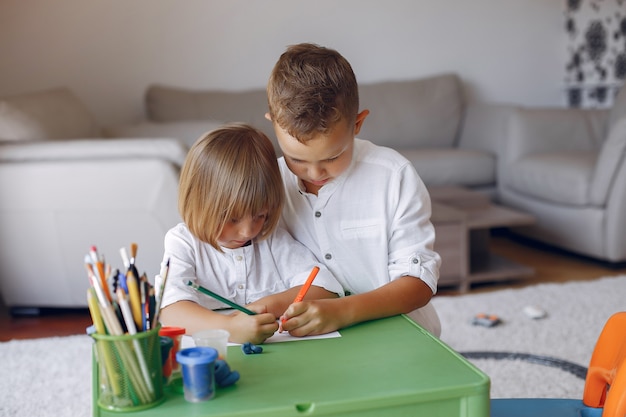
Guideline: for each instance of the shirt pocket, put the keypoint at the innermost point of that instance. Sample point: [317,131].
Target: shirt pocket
[362,228]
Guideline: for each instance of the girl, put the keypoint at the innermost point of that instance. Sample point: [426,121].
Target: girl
[230,199]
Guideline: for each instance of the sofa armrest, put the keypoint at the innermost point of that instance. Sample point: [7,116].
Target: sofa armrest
[544,130]
[615,220]
[170,150]
[610,158]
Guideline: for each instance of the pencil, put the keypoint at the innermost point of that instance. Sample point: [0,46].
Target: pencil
[105,353]
[159,296]
[220,298]
[132,330]
[307,285]
[135,298]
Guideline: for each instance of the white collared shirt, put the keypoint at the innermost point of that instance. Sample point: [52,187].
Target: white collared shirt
[242,275]
[370,225]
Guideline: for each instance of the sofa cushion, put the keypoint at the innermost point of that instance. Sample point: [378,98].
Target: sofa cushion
[49,114]
[610,157]
[188,132]
[453,166]
[170,104]
[560,177]
[424,113]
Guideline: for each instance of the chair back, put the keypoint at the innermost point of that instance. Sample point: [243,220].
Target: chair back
[608,357]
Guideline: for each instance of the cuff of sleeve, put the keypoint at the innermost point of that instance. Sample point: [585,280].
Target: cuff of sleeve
[425,269]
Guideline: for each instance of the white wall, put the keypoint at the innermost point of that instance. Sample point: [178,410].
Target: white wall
[108,51]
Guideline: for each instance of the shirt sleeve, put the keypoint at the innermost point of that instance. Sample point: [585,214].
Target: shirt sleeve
[179,251]
[411,248]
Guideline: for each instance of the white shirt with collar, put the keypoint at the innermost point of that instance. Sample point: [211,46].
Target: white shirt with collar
[242,275]
[371,225]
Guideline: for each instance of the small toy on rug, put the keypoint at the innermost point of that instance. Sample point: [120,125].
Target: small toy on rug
[486,320]
[535,312]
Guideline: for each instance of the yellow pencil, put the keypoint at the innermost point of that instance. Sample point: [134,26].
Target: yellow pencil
[133,295]
[105,354]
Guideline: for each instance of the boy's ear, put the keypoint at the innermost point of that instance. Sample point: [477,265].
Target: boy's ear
[360,118]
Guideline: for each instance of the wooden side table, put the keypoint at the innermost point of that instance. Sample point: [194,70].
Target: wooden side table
[463,220]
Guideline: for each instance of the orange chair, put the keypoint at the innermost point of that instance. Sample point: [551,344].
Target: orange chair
[605,385]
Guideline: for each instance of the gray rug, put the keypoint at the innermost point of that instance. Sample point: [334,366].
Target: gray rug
[576,313]
[52,376]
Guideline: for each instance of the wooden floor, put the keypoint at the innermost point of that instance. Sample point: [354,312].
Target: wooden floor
[550,266]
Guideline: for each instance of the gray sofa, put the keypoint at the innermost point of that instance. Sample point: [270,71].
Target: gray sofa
[566,167]
[427,120]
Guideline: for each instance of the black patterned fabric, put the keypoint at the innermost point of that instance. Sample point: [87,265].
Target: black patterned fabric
[596,56]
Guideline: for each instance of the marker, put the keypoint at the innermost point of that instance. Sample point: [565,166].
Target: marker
[220,298]
[307,285]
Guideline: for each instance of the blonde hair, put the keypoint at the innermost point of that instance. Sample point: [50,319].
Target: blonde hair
[310,90]
[230,172]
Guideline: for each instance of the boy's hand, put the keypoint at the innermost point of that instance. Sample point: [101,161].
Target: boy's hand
[308,318]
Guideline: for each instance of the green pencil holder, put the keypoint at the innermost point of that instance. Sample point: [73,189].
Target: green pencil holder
[127,371]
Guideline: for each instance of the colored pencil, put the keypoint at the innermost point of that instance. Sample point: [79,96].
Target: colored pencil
[159,296]
[220,298]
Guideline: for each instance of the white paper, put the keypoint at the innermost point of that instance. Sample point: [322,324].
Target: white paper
[187,341]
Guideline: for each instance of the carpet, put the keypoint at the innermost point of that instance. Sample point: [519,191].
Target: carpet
[576,313]
[52,376]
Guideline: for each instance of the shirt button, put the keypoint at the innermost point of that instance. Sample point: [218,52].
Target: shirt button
[328,256]
[241,286]
[239,257]
[318,214]
[415,261]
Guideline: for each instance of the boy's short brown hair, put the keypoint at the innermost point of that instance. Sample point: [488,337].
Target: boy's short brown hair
[229,173]
[310,90]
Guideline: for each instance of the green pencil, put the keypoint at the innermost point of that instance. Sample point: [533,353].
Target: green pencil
[220,298]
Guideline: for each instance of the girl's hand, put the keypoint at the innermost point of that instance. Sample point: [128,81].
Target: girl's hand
[254,329]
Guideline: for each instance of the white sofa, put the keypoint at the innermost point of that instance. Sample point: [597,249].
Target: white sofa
[64,188]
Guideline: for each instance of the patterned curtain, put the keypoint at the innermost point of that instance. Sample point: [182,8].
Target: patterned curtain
[596,56]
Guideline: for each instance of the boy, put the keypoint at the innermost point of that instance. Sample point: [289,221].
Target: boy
[361,208]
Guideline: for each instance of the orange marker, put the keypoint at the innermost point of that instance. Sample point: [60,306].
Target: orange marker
[305,287]
[307,284]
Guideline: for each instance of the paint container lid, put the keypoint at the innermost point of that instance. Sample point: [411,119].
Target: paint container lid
[199,355]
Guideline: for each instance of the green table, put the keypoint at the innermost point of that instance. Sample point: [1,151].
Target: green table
[387,367]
